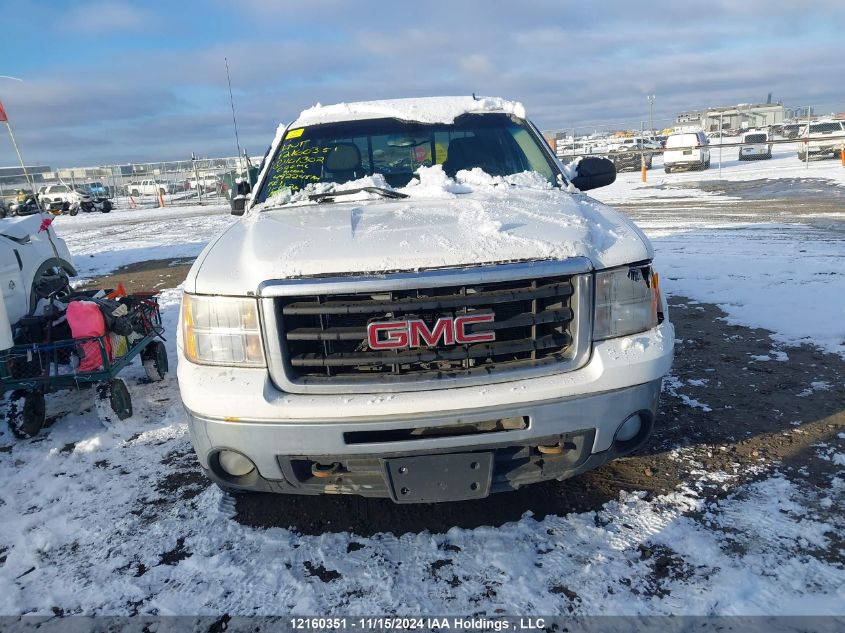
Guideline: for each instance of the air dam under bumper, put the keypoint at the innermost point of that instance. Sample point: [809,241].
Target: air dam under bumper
[430,458]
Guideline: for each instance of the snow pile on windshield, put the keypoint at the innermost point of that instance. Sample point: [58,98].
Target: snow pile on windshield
[478,177]
[430,182]
[286,196]
[424,110]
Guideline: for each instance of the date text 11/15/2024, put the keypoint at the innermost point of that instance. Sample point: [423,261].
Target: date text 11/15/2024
[453,623]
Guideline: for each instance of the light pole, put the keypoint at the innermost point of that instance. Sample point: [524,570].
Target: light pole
[651,113]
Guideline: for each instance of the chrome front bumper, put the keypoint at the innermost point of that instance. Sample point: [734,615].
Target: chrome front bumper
[359,451]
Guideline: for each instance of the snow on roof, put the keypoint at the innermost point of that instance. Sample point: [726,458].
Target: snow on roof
[423,109]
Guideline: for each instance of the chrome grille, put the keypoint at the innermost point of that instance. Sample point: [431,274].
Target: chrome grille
[325,335]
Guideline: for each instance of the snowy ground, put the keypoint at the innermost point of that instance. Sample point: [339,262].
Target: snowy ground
[119,520]
[102,242]
[770,266]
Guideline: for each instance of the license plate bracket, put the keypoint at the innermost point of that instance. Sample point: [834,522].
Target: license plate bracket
[432,478]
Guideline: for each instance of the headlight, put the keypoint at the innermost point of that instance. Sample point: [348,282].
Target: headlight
[627,301]
[221,331]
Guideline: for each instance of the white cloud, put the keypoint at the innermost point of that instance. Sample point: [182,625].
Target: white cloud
[572,66]
[476,65]
[108,16]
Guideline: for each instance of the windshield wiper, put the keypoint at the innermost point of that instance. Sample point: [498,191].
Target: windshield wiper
[329,195]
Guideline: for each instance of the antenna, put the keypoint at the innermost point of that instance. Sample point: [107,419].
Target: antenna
[232,102]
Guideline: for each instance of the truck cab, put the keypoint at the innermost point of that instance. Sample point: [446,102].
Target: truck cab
[420,303]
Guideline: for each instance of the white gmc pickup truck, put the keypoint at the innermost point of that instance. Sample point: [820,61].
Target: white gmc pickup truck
[419,303]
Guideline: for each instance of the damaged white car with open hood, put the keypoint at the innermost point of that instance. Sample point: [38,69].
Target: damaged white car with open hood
[419,303]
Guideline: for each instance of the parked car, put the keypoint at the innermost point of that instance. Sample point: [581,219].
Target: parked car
[408,355]
[569,150]
[150,187]
[687,150]
[206,183]
[637,143]
[26,259]
[97,189]
[790,130]
[628,155]
[74,196]
[825,138]
[755,146]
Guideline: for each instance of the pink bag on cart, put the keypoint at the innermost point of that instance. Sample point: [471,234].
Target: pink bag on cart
[86,320]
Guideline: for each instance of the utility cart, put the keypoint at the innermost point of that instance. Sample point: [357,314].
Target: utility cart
[32,370]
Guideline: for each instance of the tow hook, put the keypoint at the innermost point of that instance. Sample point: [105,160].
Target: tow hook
[555,449]
[325,470]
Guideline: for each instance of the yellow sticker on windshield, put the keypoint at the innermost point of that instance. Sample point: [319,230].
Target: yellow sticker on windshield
[294,133]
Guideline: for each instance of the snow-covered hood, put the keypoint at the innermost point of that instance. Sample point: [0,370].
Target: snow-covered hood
[502,224]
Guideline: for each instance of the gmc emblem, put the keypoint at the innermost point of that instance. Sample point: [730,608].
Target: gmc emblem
[415,333]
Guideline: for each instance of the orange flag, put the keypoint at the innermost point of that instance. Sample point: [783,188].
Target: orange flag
[3,116]
[119,292]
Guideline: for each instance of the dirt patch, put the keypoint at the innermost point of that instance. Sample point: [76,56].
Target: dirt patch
[177,554]
[154,274]
[724,408]
[326,575]
[769,188]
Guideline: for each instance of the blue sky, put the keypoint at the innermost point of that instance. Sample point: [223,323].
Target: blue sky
[133,81]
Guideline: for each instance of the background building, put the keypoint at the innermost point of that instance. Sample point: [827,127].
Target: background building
[741,116]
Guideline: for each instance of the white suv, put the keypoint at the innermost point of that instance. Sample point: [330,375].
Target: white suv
[420,304]
[686,149]
[825,138]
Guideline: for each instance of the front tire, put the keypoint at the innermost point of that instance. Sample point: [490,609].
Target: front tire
[668,170]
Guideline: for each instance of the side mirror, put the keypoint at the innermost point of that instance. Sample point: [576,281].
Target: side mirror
[594,172]
[238,204]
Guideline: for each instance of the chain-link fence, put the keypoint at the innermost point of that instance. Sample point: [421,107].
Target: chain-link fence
[135,185]
[697,138]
